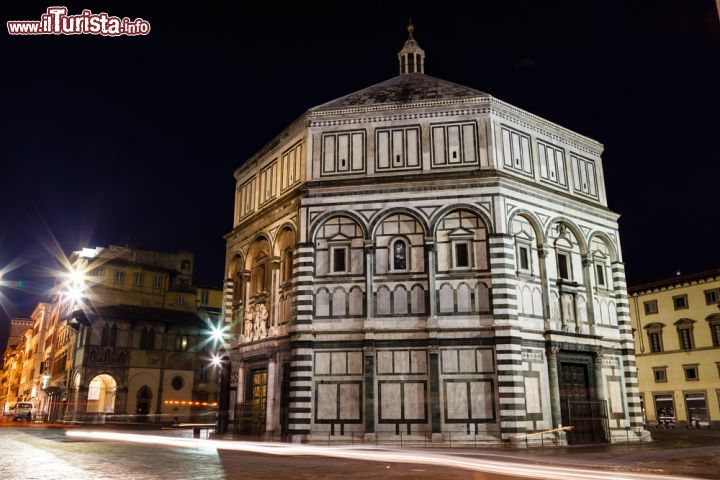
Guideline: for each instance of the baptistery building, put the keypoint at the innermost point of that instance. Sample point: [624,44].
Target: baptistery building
[421,260]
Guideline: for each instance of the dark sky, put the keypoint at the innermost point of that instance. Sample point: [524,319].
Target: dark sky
[133,140]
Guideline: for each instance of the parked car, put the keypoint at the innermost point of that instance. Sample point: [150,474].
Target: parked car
[22,411]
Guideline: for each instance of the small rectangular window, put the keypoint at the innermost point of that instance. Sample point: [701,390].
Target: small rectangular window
[205,297]
[339,255]
[157,281]
[119,276]
[462,255]
[651,307]
[660,374]
[712,297]
[563,266]
[138,279]
[181,299]
[680,302]
[600,270]
[97,272]
[691,372]
[524,258]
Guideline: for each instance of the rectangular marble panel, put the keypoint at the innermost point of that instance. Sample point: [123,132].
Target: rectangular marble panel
[453,136]
[384,361]
[456,400]
[350,401]
[358,149]
[467,360]
[402,362]
[337,363]
[327,401]
[532,395]
[322,363]
[418,361]
[355,363]
[469,147]
[414,398]
[390,401]
[383,150]
[343,160]
[329,153]
[439,155]
[411,139]
[481,394]
[449,361]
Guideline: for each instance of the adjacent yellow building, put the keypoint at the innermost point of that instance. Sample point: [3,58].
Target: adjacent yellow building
[676,324]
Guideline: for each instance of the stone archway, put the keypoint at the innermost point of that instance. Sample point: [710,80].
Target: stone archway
[101,394]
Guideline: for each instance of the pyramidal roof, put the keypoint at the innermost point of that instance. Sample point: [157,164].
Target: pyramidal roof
[405,88]
[411,86]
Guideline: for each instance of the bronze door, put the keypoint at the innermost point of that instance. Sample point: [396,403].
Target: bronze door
[259,400]
[587,417]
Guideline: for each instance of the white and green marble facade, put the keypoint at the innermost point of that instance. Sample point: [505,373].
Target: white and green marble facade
[468,346]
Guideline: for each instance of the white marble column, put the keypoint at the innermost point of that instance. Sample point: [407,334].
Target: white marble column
[271,378]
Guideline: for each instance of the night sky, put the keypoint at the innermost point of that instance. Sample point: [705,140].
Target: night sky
[133,140]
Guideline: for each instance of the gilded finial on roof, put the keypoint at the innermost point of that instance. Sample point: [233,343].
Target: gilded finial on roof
[410,27]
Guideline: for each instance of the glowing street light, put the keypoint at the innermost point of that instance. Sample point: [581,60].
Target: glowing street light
[217,334]
[215,360]
[73,289]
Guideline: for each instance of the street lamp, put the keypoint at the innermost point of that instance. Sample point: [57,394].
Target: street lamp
[220,361]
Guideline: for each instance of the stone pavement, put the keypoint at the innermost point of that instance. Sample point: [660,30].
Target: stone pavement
[46,453]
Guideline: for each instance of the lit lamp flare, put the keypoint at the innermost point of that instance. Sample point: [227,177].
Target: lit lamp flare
[216,361]
[217,334]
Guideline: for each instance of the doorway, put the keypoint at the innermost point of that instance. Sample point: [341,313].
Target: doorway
[587,416]
[144,399]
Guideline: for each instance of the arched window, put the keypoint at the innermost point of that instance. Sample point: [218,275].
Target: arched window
[399,255]
[105,336]
[91,356]
[143,338]
[147,339]
[121,357]
[181,342]
[108,356]
[238,289]
[113,335]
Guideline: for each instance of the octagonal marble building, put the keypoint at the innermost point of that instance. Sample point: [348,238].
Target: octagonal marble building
[421,260]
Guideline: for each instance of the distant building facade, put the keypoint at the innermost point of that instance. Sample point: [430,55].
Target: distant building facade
[676,322]
[142,349]
[125,337]
[12,363]
[420,258]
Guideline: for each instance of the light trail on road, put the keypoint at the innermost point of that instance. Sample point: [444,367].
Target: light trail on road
[378,454]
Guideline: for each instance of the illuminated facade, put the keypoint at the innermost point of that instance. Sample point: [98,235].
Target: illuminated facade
[12,363]
[676,322]
[419,258]
[33,366]
[132,344]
